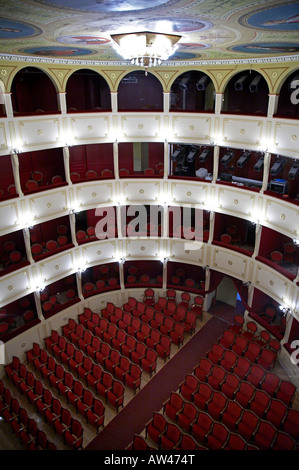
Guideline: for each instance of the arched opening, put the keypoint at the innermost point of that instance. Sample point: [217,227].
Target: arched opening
[87,91]
[32,92]
[140,92]
[246,93]
[192,91]
[288,101]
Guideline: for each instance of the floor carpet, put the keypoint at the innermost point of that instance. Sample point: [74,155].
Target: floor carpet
[133,417]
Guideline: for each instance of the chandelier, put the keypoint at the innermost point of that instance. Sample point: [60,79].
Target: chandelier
[145,49]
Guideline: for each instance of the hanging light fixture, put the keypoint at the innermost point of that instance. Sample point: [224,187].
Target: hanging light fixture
[145,49]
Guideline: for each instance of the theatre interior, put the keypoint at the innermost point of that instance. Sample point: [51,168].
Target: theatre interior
[149,225]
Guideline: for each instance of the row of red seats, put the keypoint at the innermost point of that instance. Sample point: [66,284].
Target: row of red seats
[243,413]
[86,369]
[26,428]
[259,378]
[47,406]
[107,333]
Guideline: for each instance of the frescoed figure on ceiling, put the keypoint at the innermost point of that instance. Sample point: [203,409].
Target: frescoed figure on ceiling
[10,29]
[284,17]
[56,51]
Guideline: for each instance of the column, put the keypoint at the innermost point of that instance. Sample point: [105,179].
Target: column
[267,159]
[8,104]
[216,163]
[218,102]
[15,168]
[79,284]
[207,286]
[272,105]
[121,275]
[258,232]
[115,159]
[164,285]
[114,103]
[26,235]
[38,305]
[166,159]
[211,231]
[61,97]
[66,161]
[166,101]
[73,228]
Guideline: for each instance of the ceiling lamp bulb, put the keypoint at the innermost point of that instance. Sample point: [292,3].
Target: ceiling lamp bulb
[145,49]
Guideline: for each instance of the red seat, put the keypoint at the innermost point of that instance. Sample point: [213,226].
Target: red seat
[203,369]
[105,384]
[139,353]
[75,393]
[133,378]
[235,442]
[189,387]
[177,334]
[153,339]
[180,315]
[190,322]
[216,353]
[96,414]
[119,340]
[203,396]
[237,324]
[112,361]
[250,330]
[115,396]
[286,392]
[143,333]
[284,442]
[149,297]
[156,427]
[230,385]
[163,348]
[242,368]
[187,443]
[217,377]
[76,361]
[217,405]
[187,416]
[171,438]
[265,435]
[267,359]
[228,339]
[73,436]
[240,346]
[173,406]
[218,438]
[228,360]
[270,384]
[202,427]
[276,412]
[291,423]
[256,375]
[253,351]
[134,327]
[85,403]
[245,394]
[261,403]
[149,361]
[232,415]
[122,368]
[108,334]
[248,425]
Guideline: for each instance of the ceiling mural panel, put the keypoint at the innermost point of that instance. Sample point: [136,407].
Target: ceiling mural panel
[209,29]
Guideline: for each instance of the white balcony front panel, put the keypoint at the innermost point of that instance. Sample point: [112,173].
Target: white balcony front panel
[3,139]
[242,132]
[50,204]
[187,251]
[99,252]
[89,129]
[140,127]
[90,195]
[141,190]
[15,285]
[282,217]
[39,132]
[237,201]
[9,216]
[195,128]
[142,248]
[189,193]
[231,263]
[286,138]
[57,267]
[271,282]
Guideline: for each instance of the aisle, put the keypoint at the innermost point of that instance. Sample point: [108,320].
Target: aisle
[133,417]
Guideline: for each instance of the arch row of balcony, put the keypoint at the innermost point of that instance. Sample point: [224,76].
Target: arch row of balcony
[243,90]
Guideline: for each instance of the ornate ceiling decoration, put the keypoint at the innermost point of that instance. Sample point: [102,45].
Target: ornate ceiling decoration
[210,29]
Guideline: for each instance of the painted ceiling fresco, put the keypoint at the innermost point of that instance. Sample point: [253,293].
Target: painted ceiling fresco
[209,29]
